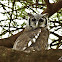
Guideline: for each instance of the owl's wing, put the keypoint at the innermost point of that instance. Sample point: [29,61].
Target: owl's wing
[26,38]
[41,43]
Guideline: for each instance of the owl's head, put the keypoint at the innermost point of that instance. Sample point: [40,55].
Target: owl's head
[38,20]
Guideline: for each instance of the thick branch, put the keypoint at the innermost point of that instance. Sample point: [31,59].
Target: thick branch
[9,55]
[8,42]
[53,8]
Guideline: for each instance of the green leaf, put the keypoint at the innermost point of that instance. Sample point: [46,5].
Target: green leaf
[23,24]
[40,0]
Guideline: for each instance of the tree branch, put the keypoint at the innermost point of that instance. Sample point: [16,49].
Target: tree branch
[53,7]
[8,42]
[10,55]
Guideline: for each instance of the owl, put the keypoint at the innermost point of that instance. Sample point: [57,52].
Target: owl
[35,35]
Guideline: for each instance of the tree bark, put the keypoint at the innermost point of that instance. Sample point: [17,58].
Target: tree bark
[52,8]
[9,55]
[9,42]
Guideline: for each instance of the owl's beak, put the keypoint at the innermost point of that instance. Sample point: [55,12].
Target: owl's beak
[36,23]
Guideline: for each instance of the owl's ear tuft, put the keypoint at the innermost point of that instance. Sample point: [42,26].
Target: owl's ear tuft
[46,14]
[30,15]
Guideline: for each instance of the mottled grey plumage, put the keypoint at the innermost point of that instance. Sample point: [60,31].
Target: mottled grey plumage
[34,38]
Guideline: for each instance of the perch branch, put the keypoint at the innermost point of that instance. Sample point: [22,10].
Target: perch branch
[9,55]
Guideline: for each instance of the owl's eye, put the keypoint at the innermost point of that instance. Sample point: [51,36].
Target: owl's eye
[34,19]
[41,20]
